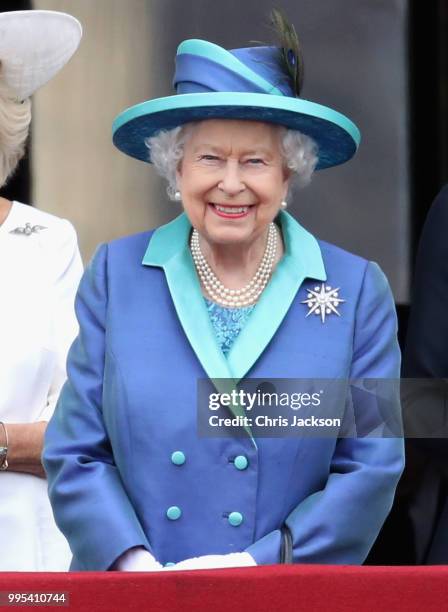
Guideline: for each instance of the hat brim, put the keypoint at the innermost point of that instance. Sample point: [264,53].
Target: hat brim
[336,136]
[34,46]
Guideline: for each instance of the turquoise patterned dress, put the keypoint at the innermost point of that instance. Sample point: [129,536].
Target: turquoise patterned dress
[227,322]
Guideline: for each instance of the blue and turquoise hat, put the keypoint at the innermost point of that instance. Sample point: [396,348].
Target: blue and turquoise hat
[248,83]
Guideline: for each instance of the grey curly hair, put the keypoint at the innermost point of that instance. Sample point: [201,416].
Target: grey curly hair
[167,148]
[15,119]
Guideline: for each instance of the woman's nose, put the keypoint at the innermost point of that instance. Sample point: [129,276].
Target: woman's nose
[231,182]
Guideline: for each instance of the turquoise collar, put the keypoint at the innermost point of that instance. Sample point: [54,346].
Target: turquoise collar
[302,248]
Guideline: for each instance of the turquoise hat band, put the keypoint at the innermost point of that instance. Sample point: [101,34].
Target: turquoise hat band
[336,136]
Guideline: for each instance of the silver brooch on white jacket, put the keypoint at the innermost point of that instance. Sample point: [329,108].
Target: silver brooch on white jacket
[27,230]
[323,301]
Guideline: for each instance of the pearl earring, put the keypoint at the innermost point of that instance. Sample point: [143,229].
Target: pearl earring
[284,205]
[177,196]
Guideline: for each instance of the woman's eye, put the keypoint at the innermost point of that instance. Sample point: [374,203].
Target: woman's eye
[209,157]
[255,161]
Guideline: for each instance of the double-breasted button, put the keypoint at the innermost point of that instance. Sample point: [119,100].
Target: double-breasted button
[178,458]
[240,462]
[235,519]
[173,513]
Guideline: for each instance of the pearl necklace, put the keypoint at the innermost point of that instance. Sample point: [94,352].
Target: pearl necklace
[235,298]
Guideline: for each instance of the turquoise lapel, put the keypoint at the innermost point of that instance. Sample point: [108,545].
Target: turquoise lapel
[168,248]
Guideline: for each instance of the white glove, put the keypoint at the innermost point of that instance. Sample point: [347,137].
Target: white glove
[241,559]
[137,559]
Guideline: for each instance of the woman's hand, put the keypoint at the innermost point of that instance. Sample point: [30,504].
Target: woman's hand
[137,559]
[25,441]
[241,559]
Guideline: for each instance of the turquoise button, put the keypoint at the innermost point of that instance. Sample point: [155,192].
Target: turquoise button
[173,513]
[241,462]
[169,564]
[235,519]
[178,458]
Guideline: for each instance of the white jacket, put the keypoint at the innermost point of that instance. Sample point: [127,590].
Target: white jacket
[40,268]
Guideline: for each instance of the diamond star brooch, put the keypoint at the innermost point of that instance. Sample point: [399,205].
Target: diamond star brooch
[323,301]
[27,230]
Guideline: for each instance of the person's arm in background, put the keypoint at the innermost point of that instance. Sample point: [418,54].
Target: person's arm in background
[25,440]
[423,488]
[426,349]
[426,353]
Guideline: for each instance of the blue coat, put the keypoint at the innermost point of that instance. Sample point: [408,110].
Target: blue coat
[115,480]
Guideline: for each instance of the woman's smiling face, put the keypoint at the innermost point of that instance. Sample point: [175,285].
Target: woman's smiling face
[232,179]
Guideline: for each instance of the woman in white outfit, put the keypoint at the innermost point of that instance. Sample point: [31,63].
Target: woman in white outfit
[40,268]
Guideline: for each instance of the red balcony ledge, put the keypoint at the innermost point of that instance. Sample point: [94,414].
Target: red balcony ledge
[308,588]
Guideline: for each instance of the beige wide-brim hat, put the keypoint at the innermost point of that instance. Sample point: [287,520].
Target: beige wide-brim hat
[34,46]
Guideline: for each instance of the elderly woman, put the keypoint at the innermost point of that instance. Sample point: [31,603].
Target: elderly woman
[40,273]
[224,291]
